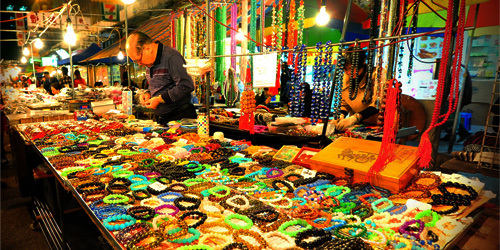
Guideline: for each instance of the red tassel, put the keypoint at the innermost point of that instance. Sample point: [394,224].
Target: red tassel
[251,123]
[387,149]
[425,151]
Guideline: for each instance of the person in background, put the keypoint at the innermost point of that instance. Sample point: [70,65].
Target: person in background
[79,81]
[65,79]
[357,110]
[116,84]
[46,82]
[284,86]
[264,98]
[170,86]
[99,84]
[56,88]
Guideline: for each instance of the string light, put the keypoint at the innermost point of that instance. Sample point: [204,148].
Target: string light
[23,60]
[26,51]
[38,43]
[70,36]
[120,55]
[322,18]
[128,1]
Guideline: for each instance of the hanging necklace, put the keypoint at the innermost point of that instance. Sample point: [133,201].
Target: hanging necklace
[339,78]
[328,71]
[300,22]
[413,30]
[299,106]
[291,30]
[294,79]
[302,66]
[380,53]
[401,44]
[316,94]
[368,95]
[234,20]
[273,27]
[354,77]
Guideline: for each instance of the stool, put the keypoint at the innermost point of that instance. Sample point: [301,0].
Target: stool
[467,118]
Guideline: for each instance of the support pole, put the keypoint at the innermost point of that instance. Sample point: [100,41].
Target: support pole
[33,63]
[459,107]
[262,23]
[71,70]
[207,77]
[126,35]
[330,97]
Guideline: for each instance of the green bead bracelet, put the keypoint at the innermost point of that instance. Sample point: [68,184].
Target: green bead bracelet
[288,224]
[122,173]
[115,198]
[337,233]
[248,221]
[214,191]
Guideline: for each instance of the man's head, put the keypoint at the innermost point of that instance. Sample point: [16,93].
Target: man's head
[267,92]
[64,71]
[46,75]
[141,49]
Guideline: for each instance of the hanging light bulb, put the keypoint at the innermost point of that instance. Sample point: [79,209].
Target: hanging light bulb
[70,36]
[38,43]
[322,18]
[26,51]
[128,1]
[23,60]
[120,55]
[239,35]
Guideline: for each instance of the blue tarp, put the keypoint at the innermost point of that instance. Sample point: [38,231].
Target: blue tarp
[86,53]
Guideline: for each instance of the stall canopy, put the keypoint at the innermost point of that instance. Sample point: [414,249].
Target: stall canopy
[109,55]
[79,57]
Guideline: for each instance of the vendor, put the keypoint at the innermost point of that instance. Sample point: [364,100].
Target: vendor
[170,86]
[264,98]
[360,107]
[56,88]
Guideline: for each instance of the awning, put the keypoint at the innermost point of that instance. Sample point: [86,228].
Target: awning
[86,53]
[109,54]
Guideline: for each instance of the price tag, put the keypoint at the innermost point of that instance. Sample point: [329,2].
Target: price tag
[184,141]
[158,186]
[240,155]
[411,204]
[116,157]
[308,173]
[155,134]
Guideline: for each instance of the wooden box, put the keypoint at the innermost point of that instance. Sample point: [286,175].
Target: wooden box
[359,155]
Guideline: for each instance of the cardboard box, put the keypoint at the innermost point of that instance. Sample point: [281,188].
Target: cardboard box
[359,155]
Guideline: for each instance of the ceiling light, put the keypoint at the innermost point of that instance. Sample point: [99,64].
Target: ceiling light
[26,51]
[322,18]
[38,43]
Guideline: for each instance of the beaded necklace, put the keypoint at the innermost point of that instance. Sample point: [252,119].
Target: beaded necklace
[327,87]
[354,77]
[412,44]
[294,98]
[337,87]
[402,17]
[368,94]
[425,147]
[317,78]
[302,61]
[380,59]
[279,29]
[200,36]
[234,25]
[300,22]
[244,42]
[291,42]
[220,38]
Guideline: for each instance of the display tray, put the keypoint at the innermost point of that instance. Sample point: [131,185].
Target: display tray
[266,139]
[359,155]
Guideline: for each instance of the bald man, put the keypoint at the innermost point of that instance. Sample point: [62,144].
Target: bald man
[170,86]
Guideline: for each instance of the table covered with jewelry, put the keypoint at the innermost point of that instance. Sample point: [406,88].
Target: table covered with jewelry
[171,190]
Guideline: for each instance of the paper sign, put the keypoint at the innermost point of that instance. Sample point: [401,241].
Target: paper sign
[264,70]
[308,173]
[411,203]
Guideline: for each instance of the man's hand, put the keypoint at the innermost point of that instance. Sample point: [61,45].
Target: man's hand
[153,102]
[346,123]
[145,97]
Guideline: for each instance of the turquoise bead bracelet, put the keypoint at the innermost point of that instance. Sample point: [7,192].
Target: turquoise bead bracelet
[130,221]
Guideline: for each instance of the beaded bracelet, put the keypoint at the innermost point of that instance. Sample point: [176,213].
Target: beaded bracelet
[338,234]
[214,191]
[195,203]
[157,236]
[320,237]
[159,209]
[195,247]
[195,235]
[152,202]
[164,195]
[141,212]
[141,194]
[130,221]
[117,188]
[237,236]
[201,217]
[435,217]
[248,221]
[291,223]
[380,210]
[115,198]
[122,173]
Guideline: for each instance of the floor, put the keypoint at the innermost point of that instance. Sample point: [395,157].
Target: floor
[18,231]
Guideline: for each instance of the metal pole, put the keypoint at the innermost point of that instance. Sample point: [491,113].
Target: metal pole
[126,35]
[33,63]
[459,107]
[71,70]
[184,41]
[207,78]
[330,97]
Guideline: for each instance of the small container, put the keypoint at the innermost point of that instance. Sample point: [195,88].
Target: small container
[202,122]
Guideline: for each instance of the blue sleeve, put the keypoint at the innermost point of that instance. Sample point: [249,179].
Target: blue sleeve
[184,84]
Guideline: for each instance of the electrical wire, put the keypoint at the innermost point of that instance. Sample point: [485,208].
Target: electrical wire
[19,18]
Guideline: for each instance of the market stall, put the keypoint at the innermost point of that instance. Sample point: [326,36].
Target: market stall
[169,189]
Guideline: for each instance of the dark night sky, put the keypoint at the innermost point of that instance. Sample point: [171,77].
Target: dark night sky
[10,50]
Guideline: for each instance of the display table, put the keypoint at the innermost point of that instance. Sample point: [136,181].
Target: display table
[119,176]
